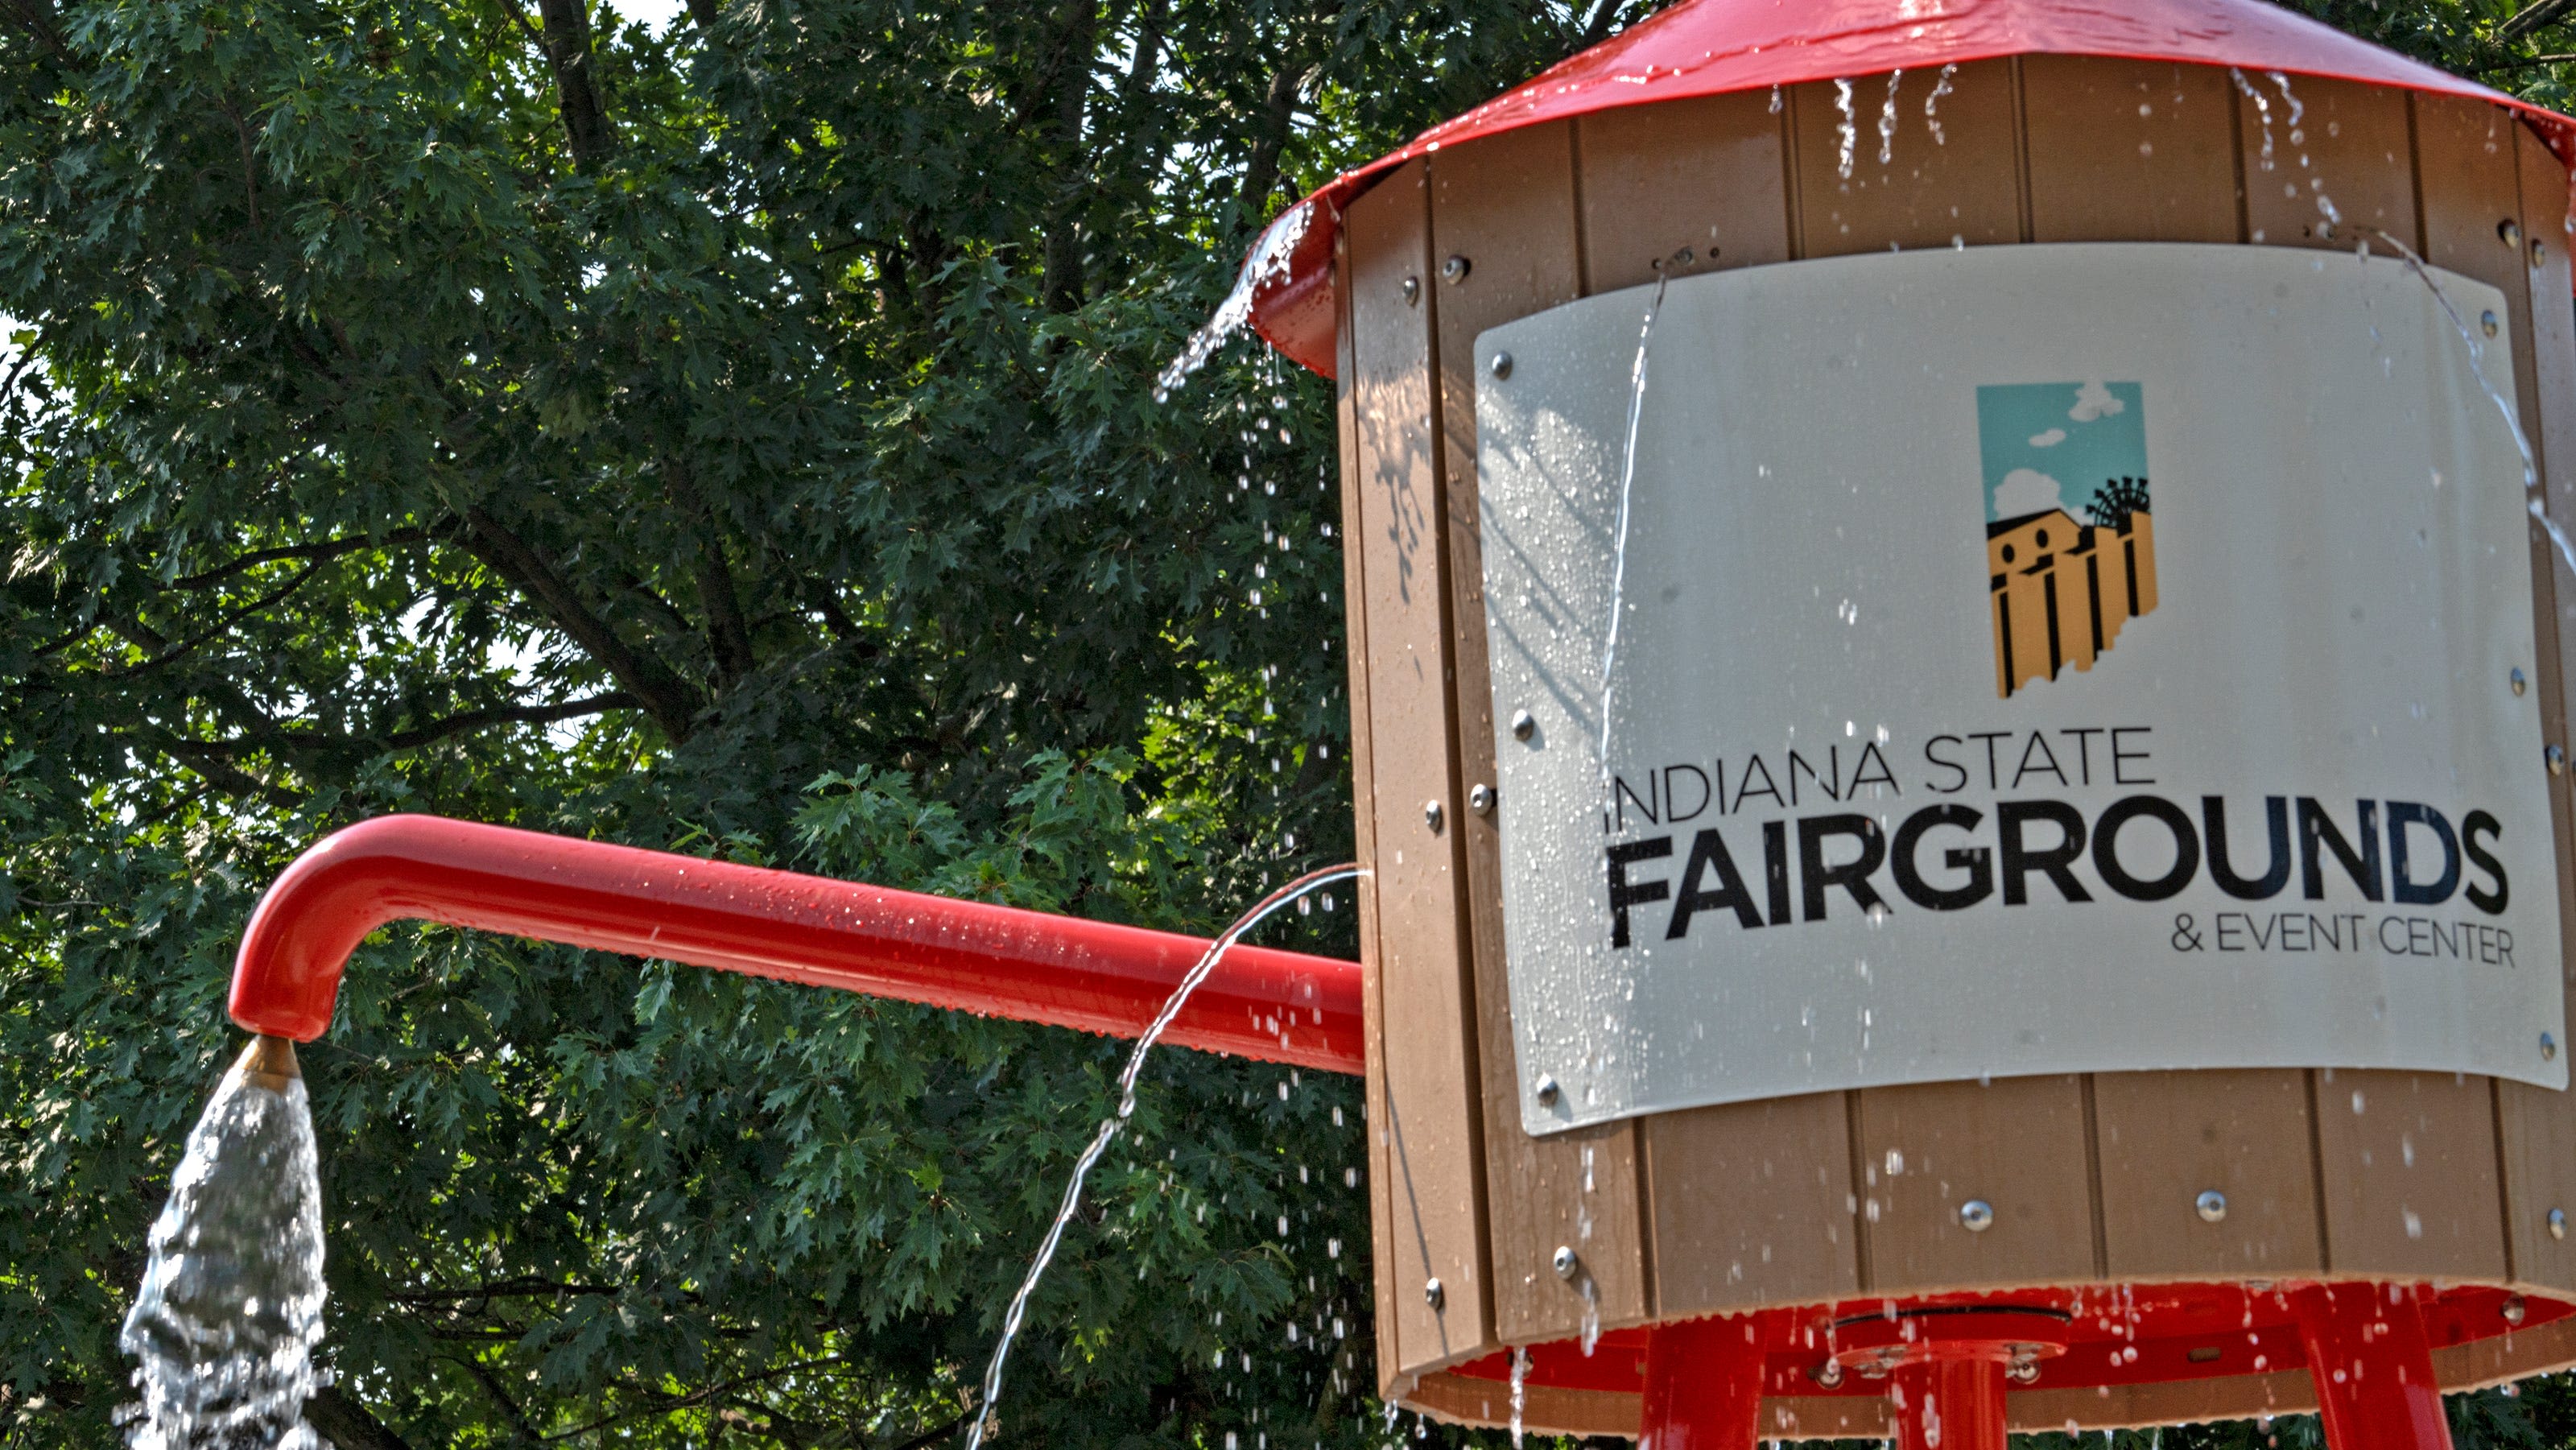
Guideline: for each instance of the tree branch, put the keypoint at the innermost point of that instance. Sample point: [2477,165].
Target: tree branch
[1278,113]
[1597,29]
[492,1386]
[213,761]
[322,551]
[664,696]
[38,20]
[727,636]
[524,1287]
[438,730]
[348,1424]
[169,653]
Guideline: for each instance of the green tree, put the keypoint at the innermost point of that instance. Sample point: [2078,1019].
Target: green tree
[735,439]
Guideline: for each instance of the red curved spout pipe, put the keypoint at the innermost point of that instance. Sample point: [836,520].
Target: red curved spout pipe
[1274,1005]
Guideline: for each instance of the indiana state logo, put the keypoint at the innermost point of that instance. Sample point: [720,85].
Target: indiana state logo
[2067,563]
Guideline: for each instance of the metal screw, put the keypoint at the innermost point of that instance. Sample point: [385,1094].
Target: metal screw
[2509,232]
[1502,365]
[2487,323]
[2516,679]
[1828,1374]
[1433,1294]
[1432,816]
[1546,1090]
[1480,799]
[2514,1309]
[2539,252]
[1456,268]
[1412,291]
[1976,1215]
[2212,1205]
[2558,1223]
[1524,725]
[2556,755]
[2548,1047]
[2023,1367]
[1566,1262]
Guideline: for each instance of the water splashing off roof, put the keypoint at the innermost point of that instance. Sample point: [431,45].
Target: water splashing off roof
[1267,265]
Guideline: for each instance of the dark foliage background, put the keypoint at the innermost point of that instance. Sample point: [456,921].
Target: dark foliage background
[736,439]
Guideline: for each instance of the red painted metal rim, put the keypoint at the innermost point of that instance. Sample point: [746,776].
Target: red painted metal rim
[2114,1335]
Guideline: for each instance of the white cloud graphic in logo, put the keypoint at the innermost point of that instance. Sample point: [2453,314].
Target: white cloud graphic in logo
[2094,400]
[2027,491]
[2055,436]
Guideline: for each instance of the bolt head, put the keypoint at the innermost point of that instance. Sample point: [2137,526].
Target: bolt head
[2509,232]
[1976,1215]
[1501,365]
[1432,816]
[2518,680]
[1565,1261]
[2539,252]
[2514,1309]
[1412,291]
[1480,799]
[2211,1205]
[1828,1374]
[1524,725]
[1456,268]
[2022,1371]
[2489,323]
[2549,1047]
[2556,755]
[1433,1294]
[2558,1223]
[1546,1090]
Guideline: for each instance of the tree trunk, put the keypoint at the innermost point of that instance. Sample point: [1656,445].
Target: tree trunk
[567,41]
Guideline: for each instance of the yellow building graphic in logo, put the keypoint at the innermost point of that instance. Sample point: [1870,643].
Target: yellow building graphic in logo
[2060,590]
[2064,572]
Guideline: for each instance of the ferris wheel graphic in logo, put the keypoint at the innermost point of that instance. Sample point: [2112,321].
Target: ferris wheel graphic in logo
[2070,536]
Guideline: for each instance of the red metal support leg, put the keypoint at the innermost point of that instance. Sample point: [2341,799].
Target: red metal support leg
[2373,1368]
[1949,1404]
[1703,1386]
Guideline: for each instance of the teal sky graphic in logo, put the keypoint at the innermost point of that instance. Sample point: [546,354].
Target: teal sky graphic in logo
[2052,445]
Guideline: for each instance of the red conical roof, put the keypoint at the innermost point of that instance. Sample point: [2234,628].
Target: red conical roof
[1710,47]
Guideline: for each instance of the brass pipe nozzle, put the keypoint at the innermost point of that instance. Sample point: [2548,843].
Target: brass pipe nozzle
[268,1062]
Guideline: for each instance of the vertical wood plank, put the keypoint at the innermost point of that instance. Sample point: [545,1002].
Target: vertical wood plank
[1364,829]
[2537,1126]
[2470,185]
[2129,151]
[1964,187]
[2350,144]
[1507,205]
[1752,1205]
[1428,1133]
[2165,1137]
[2409,1175]
[2017,1144]
[1705,175]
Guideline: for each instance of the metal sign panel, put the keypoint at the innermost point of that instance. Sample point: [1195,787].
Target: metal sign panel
[2029,660]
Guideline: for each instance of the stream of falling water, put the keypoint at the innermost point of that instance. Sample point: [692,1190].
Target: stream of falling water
[1627,482]
[1110,1126]
[231,1303]
[2532,498]
[1268,262]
